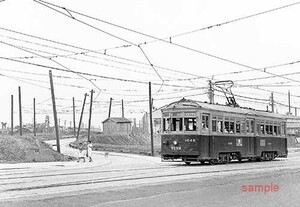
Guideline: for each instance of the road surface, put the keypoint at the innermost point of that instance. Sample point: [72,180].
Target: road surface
[134,180]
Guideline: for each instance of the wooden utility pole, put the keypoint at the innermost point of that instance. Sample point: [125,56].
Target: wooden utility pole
[34,126]
[109,110]
[272,102]
[151,126]
[80,120]
[74,124]
[122,109]
[20,111]
[211,92]
[90,116]
[12,114]
[54,112]
[289,99]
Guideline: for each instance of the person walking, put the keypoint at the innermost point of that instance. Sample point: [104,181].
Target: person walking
[89,151]
[81,153]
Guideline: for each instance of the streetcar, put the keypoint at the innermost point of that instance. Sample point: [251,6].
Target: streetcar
[194,131]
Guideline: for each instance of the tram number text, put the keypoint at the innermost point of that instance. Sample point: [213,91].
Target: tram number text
[190,140]
[176,148]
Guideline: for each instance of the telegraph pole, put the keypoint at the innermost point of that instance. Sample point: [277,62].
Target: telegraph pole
[34,126]
[80,120]
[90,117]
[109,110]
[289,99]
[74,124]
[20,111]
[151,126]
[211,92]
[12,114]
[54,112]
[272,102]
[122,109]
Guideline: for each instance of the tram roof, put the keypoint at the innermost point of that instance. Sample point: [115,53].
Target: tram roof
[190,104]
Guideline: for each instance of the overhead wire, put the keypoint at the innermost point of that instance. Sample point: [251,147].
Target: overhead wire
[172,43]
[107,33]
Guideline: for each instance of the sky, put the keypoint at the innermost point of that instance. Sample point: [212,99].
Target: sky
[117,47]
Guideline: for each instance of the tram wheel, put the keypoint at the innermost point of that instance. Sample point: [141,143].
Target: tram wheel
[187,163]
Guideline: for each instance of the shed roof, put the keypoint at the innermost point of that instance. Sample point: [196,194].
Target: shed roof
[117,120]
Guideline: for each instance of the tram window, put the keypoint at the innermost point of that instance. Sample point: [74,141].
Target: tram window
[283,128]
[262,129]
[238,126]
[229,126]
[275,130]
[279,129]
[252,126]
[205,122]
[243,126]
[190,124]
[268,129]
[176,124]
[220,125]
[166,124]
[214,124]
[271,129]
[258,128]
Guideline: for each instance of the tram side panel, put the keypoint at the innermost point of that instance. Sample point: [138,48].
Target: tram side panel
[244,146]
[277,145]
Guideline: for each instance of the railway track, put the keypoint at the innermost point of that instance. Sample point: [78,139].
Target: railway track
[141,174]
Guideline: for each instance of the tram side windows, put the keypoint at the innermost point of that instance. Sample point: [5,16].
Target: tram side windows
[228,125]
[205,122]
[190,124]
[176,124]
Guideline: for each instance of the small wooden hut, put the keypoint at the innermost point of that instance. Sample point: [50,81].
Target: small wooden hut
[116,125]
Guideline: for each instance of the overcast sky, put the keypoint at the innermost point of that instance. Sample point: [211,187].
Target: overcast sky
[116,42]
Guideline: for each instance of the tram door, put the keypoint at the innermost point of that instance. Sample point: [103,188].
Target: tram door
[250,144]
[205,138]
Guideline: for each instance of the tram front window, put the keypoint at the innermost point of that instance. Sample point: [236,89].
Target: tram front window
[176,124]
[190,124]
[166,124]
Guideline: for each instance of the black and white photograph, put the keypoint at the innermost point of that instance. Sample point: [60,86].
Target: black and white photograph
[170,103]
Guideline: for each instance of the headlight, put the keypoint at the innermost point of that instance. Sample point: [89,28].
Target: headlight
[175,143]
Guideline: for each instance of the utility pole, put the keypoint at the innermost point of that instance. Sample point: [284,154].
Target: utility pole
[211,92]
[34,126]
[272,102]
[289,99]
[20,111]
[80,120]
[90,117]
[109,110]
[122,109]
[74,124]
[151,126]
[12,114]
[54,112]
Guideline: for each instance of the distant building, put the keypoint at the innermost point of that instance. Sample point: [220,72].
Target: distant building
[116,125]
